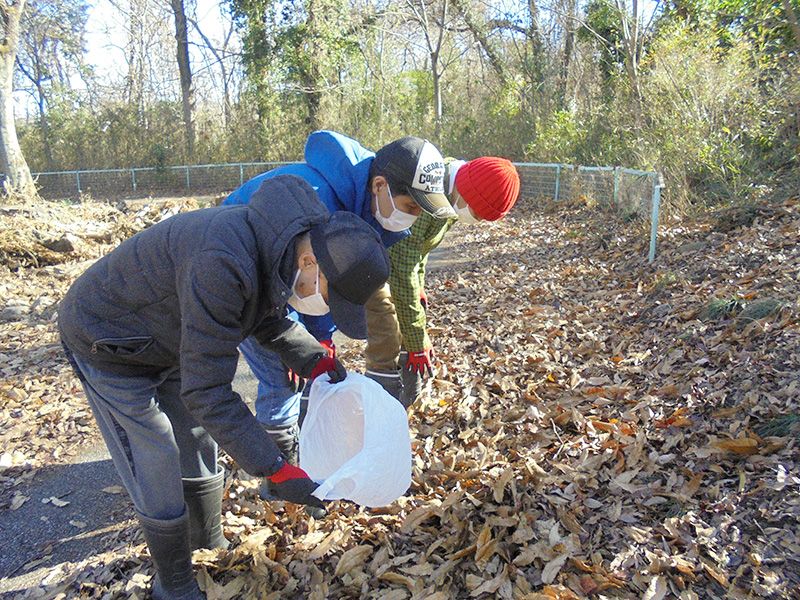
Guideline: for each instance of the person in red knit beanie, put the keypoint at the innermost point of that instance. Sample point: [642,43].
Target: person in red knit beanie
[488,185]
[399,351]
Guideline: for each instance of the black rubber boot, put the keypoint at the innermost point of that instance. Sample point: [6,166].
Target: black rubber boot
[168,542]
[203,497]
[412,383]
[389,380]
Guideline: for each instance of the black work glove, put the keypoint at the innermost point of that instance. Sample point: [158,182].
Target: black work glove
[293,485]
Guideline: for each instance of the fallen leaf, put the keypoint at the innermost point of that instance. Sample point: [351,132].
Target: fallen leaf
[552,568]
[657,589]
[353,558]
[18,500]
[745,446]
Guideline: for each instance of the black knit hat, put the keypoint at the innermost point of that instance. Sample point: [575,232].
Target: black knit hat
[356,264]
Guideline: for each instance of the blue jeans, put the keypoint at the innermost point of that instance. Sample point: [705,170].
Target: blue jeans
[277,404]
[153,440]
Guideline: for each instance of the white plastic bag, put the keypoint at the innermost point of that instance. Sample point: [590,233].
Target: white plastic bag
[355,443]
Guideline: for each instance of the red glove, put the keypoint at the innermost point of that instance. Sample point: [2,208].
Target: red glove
[330,347]
[420,362]
[332,367]
[293,485]
[423,299]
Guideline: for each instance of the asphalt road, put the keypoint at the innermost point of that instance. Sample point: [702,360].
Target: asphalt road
[40,535]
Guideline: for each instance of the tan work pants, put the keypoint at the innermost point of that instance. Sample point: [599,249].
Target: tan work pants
[383,332]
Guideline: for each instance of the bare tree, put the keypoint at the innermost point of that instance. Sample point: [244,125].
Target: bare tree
[433,20]
[480,31]
[50,52]
[185,69]
[222,56]
[633,41]
[18,175]
[570,10]
[150,64]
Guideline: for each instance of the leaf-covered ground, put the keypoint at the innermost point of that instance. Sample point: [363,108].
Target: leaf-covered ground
[599,426]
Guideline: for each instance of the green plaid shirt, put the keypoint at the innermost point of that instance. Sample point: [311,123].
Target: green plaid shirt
[407,278]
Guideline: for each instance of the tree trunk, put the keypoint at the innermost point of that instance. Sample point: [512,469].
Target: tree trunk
[45,125]
[187,91]
[437,97]
[631,35]
[566,58]
[478,31]
[18,175]
[791,15]
[537,62]
[136,59]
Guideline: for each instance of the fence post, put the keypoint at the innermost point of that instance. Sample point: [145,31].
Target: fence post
[133,178]
[616,186]
[558,180]
[658,184]
[188,182]
[78,180]
[241,173]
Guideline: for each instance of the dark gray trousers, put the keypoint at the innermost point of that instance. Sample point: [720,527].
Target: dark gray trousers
[153,440]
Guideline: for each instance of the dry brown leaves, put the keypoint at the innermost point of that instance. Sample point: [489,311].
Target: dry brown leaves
[598,427]
[43,415]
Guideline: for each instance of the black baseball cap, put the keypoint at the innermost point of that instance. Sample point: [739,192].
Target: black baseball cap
[417,164]
[356,264]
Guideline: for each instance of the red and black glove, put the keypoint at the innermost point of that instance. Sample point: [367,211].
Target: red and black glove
[331,366]
[293,485]
[297,383]
[423,300]
[330,347]
[421,362]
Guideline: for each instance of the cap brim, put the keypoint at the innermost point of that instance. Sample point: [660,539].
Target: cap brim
[436,205]
[349,317]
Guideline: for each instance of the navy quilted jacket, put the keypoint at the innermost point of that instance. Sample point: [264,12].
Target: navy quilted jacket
[185,292]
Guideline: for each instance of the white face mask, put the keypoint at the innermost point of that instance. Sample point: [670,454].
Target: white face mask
[313,305]
[464,214]
[398,220]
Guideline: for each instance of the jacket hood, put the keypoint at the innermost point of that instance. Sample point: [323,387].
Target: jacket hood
[344,164]
[282,208]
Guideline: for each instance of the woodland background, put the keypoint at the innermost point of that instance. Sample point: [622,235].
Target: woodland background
[703,91]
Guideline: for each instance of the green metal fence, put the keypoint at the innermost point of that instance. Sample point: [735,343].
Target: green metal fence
[625,190]
[144,182]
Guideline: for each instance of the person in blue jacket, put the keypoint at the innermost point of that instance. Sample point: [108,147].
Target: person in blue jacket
[387,189]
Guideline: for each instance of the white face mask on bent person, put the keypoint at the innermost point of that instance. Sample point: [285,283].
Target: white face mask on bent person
[464,213]
[397,220]
[313,305]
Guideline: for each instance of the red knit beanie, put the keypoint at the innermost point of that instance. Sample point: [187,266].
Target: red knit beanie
[490,185]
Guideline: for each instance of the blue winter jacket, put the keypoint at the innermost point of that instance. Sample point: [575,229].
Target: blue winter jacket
[337,167]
